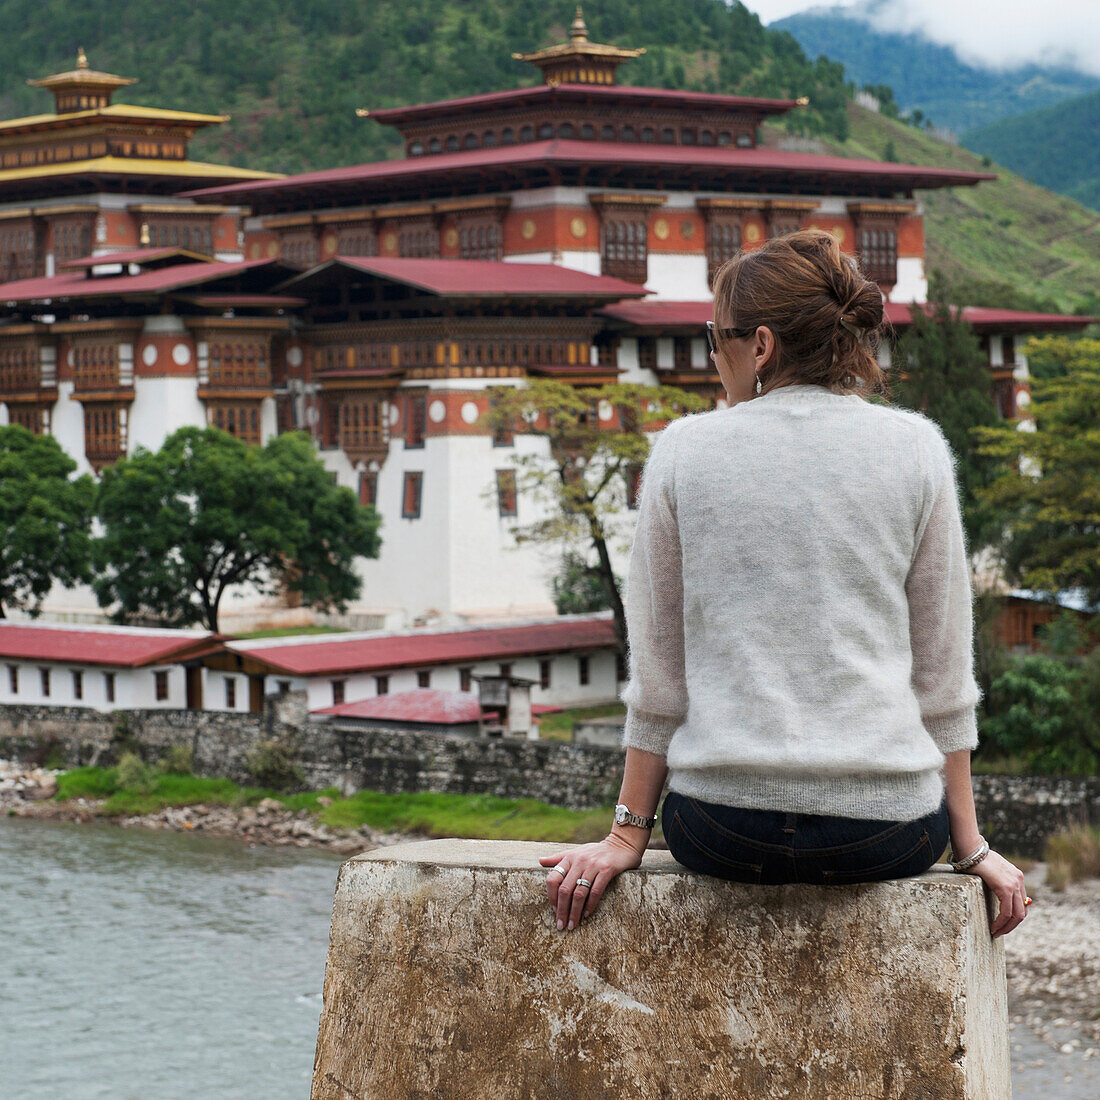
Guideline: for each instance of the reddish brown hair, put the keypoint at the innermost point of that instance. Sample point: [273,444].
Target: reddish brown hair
[812,296]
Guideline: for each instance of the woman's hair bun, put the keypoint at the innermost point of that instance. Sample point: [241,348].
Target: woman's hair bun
[826,317]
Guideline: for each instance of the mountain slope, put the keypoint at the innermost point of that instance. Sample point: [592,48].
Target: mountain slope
[1054,146]
[1009,238]
[952,93]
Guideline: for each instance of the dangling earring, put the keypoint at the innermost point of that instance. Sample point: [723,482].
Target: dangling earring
[758,386]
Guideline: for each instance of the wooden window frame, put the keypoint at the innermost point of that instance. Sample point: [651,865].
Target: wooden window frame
[412,494]
[424,678]
[160,685]
[416,421]
[230,692]
[13,679]
[44,682]
[507,502]
[584,671]
[465,679]
[78,683]
[545,666]
[382,684]
[339,692]
[109,686]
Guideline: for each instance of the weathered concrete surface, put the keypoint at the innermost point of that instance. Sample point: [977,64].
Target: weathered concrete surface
[446,978]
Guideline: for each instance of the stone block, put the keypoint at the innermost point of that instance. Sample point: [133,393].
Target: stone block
[446,978]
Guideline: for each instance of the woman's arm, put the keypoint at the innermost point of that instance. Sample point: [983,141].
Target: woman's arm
[1004,879]
[643,781]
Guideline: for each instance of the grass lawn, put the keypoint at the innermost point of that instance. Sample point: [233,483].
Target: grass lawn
[426,814]
[559,727]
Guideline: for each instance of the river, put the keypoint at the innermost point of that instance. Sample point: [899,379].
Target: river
[148,965]
[143,965]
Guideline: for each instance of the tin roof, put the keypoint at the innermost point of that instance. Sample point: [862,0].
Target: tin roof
[118,647]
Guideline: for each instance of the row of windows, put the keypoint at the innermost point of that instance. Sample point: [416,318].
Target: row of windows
[466,678]
[361,424]
[586,131]
[481,242]
[45,683]
[242,364]
[71,242]
[95,366]
[420,353]
[878,254]
[300,250]
[242,421]
[104,438]
[418,243]
[19,369]
[624,248]
[173,234]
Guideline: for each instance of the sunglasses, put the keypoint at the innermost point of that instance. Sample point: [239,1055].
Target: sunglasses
[714,334]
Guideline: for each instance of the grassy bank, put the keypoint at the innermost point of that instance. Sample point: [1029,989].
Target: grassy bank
[559,727]
[424,813]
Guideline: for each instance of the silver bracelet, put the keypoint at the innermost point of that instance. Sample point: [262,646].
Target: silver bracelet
[973,859]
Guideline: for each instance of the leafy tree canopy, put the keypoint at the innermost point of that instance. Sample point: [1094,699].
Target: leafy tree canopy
[947,379]
[45,517]
[1050,480]
[205,513]
[583,482]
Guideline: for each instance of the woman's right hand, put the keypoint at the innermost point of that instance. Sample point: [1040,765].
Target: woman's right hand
[1007,882]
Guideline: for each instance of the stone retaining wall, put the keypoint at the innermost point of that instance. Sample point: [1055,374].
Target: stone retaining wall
[1016,813]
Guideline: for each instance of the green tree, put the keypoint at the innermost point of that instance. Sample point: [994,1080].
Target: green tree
[205,513]
[945,376]
[1049,484]
[579,588]
[582,480]
[45,519]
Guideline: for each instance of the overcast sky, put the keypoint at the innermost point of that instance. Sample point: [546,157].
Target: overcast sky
[984,32]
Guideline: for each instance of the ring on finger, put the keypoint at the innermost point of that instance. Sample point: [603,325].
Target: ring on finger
[559,870]
[585,883]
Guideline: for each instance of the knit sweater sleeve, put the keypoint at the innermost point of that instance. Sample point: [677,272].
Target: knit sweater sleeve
[656,693]
[941,617]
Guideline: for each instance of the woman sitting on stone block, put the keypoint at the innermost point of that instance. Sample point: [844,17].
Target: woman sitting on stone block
[799,613]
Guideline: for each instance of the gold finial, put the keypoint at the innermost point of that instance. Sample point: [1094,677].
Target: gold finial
[578,32]
[81,58]
[803,101]
[144,238]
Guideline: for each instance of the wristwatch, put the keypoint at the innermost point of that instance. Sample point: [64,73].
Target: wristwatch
[623,816]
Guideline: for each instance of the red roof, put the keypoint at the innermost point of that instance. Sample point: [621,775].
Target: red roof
[561,94]
[900,314]
[117,648]
[376,654]
[133,256]
[422,705]
[485,278]
[78,285]
[758,161]
[658,314]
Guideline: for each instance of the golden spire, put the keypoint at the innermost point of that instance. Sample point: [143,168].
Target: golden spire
[578,32]
[82,58]
[578,61]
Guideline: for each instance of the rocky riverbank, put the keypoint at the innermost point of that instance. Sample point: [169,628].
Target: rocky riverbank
[30,792]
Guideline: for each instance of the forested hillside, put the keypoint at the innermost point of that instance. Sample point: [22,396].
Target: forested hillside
[1057,147]
[292,75]
[930,77]
[1006,242]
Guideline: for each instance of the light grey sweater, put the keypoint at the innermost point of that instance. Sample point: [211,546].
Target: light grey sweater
[799,608]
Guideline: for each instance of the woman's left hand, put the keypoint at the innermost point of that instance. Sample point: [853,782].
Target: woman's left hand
[597,864]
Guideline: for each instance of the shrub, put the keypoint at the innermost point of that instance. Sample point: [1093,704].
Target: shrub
[133,774]
[1072,854]
[271,764]
[178,760]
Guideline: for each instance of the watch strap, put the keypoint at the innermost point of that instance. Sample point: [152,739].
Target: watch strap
[623,816]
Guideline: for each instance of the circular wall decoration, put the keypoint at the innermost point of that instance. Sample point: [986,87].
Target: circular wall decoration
[273,249]
[1023,399]
[149,354]
[181,355]
[294,356]
[437,411]
[450,238]
[527,230]
[660,229]
[578,228]
[69,358]
[255,250]
[470,412]
[330,244]
[605,410]
[395,415]
[389,242]
[687,230]
[752,232]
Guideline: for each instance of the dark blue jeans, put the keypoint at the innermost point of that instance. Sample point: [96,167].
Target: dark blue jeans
[770,846]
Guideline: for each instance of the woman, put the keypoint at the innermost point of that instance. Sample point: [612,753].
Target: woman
[799,614]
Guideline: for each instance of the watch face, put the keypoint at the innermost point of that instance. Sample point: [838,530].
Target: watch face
[620,815]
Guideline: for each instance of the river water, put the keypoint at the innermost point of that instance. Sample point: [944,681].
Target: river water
[143,965]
